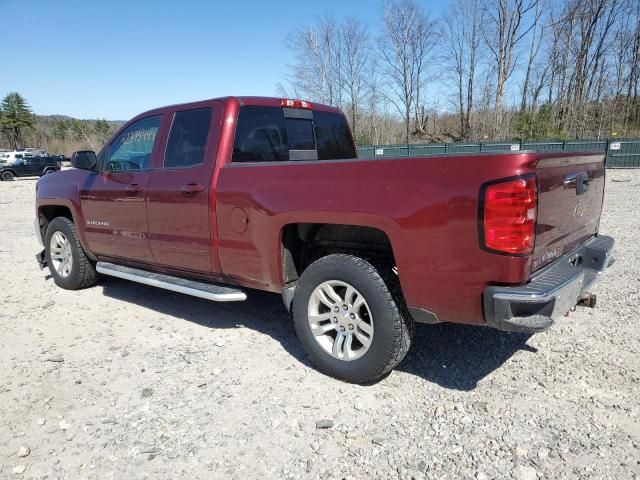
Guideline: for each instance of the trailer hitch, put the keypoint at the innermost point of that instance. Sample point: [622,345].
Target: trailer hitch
[587,300]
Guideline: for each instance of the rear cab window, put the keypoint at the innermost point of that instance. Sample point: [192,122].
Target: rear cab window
[277,134]
[188,138]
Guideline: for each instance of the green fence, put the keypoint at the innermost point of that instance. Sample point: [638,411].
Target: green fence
[621,153]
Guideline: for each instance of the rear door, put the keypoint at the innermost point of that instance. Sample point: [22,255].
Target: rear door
[570,193]
[114,201]
[180,209]
[34,165]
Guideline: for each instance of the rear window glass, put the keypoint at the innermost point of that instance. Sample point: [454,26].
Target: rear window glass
[263,134]
[188,138]
[333,136]
[300,134]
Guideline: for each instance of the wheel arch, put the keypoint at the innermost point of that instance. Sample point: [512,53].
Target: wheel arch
[48,211]
[301,243]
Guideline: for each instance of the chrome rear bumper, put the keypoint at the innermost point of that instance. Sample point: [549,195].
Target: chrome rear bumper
[550,293]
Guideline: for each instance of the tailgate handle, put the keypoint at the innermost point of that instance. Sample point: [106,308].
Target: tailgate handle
[579,180]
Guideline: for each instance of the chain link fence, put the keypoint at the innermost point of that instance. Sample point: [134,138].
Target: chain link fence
[621,153]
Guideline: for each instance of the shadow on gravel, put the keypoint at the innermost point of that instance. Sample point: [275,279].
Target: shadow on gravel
[263,311]
[452,356]
[459,356]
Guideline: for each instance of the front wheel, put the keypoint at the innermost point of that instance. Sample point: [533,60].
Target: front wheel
[7,176]
[68,264]
[351,321]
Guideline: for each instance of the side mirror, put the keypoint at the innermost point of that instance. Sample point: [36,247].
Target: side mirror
[84,160]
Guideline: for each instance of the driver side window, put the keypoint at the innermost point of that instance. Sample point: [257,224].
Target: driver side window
[131,150]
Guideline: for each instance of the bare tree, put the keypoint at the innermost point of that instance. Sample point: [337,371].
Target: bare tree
[82,131]
[424,40]
[536,40]
[569,68]
[462,40]
[404,43]
[632,111]
[505,30]
[355,58]
[317,72]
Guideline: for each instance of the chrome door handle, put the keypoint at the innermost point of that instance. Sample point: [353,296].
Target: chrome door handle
[134,188]
[192,188]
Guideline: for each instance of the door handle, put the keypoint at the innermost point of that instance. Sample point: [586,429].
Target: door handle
[192,188]
[134,188]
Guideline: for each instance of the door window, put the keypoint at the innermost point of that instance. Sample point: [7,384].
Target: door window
[188,138]
[131,150]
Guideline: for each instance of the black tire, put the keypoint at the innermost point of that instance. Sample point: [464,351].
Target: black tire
[7,175]
[49,171]
[393,326]
[83,273]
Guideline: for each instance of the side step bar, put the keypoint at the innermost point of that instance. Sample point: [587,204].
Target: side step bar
[208,291]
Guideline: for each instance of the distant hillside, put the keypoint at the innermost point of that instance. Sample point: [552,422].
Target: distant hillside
[61,134]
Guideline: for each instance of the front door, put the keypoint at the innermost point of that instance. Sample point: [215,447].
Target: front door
[114,201]
[179,207]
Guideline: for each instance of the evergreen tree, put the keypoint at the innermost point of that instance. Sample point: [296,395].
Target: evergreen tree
[102,129]
[16,117]
[61,130]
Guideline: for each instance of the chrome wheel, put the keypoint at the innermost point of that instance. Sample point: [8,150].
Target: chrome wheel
[340,320]
[61,254]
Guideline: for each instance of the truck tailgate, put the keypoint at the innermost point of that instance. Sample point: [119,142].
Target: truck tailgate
[570,193]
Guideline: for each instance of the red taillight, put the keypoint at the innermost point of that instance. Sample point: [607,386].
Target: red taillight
[509,216]
[285,102]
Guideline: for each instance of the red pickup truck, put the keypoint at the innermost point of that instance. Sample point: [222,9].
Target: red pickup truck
[218,197]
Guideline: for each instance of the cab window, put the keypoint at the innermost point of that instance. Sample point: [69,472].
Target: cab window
[272,134]
[188,138]
[131,150]
[261,135]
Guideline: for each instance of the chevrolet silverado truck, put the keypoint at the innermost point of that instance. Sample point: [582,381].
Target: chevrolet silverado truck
[219,197]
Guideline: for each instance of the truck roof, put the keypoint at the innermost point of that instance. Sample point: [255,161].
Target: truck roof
[240,100]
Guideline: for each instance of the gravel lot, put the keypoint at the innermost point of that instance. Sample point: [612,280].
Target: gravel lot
[126,381]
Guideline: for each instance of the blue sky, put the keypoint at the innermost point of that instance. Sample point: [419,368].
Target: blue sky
[115,59]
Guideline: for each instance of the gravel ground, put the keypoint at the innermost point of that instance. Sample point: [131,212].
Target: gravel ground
[126,381]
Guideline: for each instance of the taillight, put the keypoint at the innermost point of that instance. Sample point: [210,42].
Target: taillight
[509,214]
[285,102]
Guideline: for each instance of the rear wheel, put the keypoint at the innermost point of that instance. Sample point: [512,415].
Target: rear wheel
[70,268]
[49,171]
[7,176]
[351,321]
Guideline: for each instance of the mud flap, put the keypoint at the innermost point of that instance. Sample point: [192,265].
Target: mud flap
[42,259]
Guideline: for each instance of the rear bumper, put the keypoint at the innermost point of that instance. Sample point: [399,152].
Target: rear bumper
[550,293]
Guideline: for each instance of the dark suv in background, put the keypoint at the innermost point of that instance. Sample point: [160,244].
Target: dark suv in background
[29,167]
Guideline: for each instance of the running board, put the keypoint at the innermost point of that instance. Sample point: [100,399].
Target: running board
[208,291]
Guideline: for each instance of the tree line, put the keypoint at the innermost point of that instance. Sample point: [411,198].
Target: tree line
[20,127]
[483,70]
